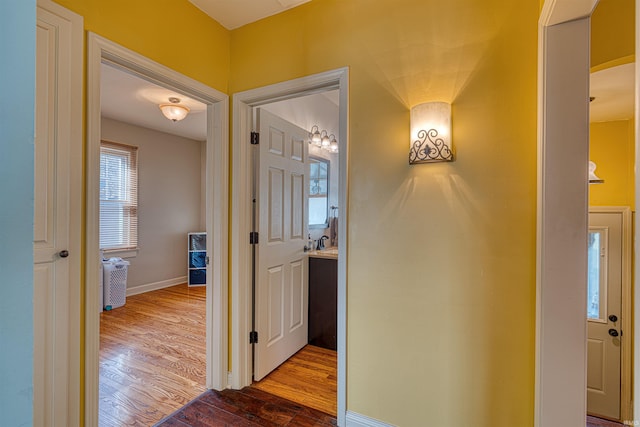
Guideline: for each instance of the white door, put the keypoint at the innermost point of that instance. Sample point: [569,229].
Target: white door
[282,266]
[56,246]
[604,309]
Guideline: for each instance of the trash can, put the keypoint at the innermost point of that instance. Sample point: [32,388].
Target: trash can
[115,283]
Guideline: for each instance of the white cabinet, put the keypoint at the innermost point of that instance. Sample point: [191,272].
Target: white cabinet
[197,261]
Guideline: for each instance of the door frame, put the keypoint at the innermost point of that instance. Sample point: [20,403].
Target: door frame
[626,372]
[243,103]
[562,206]
[69,126]
[101,50]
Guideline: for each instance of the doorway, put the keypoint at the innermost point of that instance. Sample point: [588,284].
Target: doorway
[102,51]
[608,312]
[244,103]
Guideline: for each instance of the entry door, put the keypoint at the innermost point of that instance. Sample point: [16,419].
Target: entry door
[604,307]
[56,253]
[281,293]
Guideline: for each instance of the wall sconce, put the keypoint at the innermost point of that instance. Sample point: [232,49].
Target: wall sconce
[593,178]
[430,133]
[174,111]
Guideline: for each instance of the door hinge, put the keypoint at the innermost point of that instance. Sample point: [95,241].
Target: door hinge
[253,237]
[255,138]
[206,260]
[253,337]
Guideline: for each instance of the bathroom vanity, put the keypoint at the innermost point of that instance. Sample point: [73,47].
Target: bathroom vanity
[323,298]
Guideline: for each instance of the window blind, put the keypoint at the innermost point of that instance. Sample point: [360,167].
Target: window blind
[118,196]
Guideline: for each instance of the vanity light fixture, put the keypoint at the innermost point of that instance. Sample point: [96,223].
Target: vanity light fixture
[431,133]
[593,178]
[322,139]
[174,111]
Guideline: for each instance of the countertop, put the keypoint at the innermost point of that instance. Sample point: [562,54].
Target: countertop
[329,253]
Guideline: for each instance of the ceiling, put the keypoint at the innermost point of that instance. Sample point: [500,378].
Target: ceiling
[128,98]
[131,99]
[236,13]
[613,90]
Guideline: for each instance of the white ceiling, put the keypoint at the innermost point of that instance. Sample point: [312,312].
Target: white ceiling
[131,99]
[236,13]
[613,90]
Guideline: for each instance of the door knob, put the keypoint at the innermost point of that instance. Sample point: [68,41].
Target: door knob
[613,332]
[64,253]
[613,318]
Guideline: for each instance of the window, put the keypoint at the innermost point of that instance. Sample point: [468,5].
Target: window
[118,196]
[596,275]
[318,193]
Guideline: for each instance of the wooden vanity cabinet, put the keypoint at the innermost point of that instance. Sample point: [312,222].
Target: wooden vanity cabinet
[323,302]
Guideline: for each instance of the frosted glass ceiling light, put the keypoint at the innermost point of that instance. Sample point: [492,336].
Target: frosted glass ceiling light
[430,133]
[593,178]
[174,111]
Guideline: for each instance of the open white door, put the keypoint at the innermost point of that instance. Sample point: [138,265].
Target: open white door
[604,314]
[282,266]
[57,198]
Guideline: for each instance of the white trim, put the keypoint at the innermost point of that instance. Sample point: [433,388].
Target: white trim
[70,120]
[354,419]
[241,210]
[635,405]
[560,379]
[102,50]
[141,289]
[626,374]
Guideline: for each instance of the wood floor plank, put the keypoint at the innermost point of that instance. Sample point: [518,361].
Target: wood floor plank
[152,364]
[152,356]
[309,378]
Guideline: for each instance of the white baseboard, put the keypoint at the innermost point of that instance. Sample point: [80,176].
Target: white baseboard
[357,420]
[228,379]
[140,289]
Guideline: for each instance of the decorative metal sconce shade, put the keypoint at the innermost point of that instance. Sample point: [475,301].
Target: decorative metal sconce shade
[174,111]
[593,178]
[430,133]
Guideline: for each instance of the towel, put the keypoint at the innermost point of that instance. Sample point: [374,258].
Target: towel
[333,231]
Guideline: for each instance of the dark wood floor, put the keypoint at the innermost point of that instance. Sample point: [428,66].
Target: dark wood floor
[598,422]
[249,407]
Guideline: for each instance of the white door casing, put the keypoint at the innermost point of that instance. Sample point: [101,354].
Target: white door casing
[603,349]
[57,213]
[282,290]
[241,270]
[216,207]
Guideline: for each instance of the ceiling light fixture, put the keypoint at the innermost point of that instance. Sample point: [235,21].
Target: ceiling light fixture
[174,111]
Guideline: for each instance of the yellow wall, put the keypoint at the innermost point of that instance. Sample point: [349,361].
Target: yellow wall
[172,32]
[441,257]
[613,32]
[612,149]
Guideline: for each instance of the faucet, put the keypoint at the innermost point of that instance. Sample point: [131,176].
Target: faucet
[321,242]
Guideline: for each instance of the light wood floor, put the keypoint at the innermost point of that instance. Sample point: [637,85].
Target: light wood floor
[152,361]
[309,378]
[152,356]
